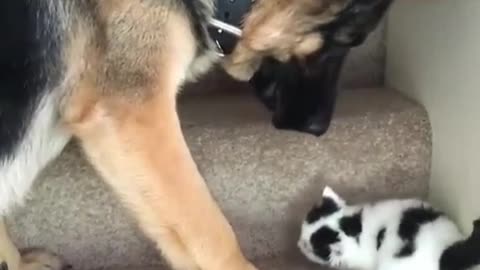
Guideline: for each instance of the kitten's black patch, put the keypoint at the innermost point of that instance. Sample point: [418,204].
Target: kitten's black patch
[3,266]
[410,224]
[463,254]
[380,237]
[327,208]
[352,225]
[321,241]
[407,250]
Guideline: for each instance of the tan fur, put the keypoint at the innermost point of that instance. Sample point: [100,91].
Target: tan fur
[281,29]
[9,253]
[128,126]
[33,259]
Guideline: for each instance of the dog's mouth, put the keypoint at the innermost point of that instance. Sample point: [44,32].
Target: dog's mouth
[302,93]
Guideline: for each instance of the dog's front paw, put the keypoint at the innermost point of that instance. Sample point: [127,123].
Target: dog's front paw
[42,259]
[3,265]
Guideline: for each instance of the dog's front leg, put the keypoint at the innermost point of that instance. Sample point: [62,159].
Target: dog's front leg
[29,259]
[139,149]
[9,255]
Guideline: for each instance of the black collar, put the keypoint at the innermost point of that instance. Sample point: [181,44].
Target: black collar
[225,27]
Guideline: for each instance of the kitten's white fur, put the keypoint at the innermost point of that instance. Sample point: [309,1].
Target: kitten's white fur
[432,239]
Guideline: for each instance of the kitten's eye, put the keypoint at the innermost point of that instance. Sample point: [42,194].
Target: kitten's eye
[324,237]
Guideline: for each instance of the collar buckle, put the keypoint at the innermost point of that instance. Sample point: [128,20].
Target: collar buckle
[219,29]
[225,27]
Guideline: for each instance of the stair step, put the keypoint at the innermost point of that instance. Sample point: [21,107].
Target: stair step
[285,261]
[264,179]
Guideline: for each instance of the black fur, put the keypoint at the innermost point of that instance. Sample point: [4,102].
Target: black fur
[303,96]
[29,44]
[356,22]
[352,225]
[410,224]
[327,208]
[381,237]
[321,241]
[464,254]
[407,250]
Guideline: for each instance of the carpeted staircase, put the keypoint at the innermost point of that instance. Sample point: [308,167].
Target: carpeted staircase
[264,179]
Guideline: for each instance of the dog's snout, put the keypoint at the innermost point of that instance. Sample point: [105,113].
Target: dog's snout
[314,126]
[301,99]
[317,127]
[302,94]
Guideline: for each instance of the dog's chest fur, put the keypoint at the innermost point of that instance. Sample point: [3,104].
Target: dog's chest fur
[199,14]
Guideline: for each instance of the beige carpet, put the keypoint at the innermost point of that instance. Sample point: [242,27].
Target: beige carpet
[281,262]
[264,179]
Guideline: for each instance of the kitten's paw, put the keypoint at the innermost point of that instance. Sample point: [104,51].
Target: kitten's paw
[42,259]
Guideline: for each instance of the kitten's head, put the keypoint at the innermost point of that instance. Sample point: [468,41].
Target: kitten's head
[331,231]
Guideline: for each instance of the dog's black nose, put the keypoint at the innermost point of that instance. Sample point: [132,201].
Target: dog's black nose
[302,96]
[317,127]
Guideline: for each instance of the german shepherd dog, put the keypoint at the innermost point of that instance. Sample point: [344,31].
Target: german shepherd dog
[106,72]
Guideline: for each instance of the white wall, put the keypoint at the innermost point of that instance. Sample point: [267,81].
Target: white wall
[433,55]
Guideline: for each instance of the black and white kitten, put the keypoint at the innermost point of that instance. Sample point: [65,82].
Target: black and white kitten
[402,234]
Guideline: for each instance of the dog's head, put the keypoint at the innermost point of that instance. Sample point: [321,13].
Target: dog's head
[293,52]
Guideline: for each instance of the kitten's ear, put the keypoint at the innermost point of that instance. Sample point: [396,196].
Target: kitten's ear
[328,193]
